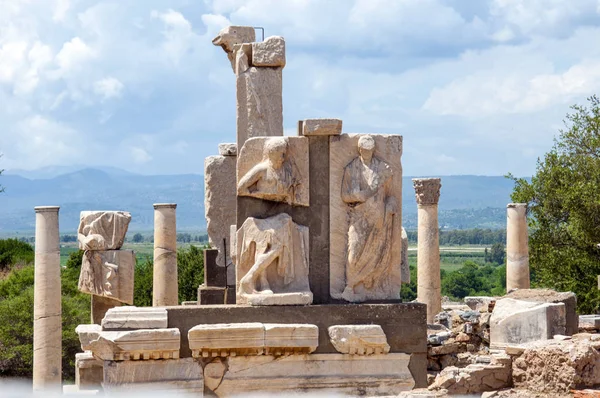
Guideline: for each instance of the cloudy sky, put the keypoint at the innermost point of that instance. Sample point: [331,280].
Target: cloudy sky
[474,86]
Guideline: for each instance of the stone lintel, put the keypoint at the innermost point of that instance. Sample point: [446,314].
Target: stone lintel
[311,127]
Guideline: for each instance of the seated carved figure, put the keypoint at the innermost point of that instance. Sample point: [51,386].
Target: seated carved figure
[274,178]
[366,191]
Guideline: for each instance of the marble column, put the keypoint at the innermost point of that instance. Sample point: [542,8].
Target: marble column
[47,316]
[517,249]
[427,192]
[164,283]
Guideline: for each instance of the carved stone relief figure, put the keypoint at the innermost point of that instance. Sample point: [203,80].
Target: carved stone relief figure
[365,220]
[109,274]
[102,230]
[280,175]
[272,262]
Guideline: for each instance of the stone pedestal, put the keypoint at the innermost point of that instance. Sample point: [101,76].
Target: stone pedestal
[164,283]
[428,250]
[47,315]
[100,305]
[517,249]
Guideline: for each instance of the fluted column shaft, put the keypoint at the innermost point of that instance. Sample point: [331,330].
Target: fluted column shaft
[165,284]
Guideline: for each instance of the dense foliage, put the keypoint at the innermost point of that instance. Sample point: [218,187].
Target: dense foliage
[564,207]
[458,237]
[13,251]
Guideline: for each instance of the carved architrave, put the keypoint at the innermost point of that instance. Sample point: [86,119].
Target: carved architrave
[366,217]
[272,262]
[275,169]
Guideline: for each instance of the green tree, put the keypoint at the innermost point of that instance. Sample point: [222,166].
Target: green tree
[190,272]
[138,238]
[142,287]
[497,254]
[564,208]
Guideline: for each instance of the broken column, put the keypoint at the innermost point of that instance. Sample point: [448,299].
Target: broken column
[47,315]
[107,272]
[517,250]
[428,250]
[165,284]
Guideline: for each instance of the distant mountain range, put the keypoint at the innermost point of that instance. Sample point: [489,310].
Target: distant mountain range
[466,201]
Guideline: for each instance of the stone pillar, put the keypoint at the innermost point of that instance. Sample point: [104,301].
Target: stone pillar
[428,251]
[47,315]
[517,249]
[164,284]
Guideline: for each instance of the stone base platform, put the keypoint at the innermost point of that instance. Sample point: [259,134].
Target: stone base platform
[404,324]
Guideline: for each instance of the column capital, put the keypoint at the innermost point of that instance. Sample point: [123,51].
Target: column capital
[165,205]
[427,190]
[516,206]
[43,209]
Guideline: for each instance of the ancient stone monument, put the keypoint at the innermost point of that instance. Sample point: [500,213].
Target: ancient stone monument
[313,227]
[429,289]
[517,247]
[47,315]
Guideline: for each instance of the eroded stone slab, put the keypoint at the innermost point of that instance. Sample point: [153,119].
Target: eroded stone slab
[325,373]
[232,36]
[225,339]
[102,230]
[122,318]
[140,344]
[220,203]
[281,338]
[312,127]
[359,339]
[88,371]
[270,52]
[365,218]
[87,334]
[275,169]
[228,149]
[589,322]
[173,375]
[108,274]
[272,262]
[517,322]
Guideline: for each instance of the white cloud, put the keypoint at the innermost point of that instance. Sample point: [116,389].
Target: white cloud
[73,55]
[109,87]
[140,155]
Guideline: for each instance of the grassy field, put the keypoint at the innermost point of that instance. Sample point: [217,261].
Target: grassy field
[452,258]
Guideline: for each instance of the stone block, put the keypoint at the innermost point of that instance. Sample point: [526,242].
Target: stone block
[108,274]
[479,303]
[229,149]
[102,230]
[226,339]
[214,275]
[281,339]
[275,169]
[155,376]
[87,334]
[128,317]
[231,37]
[100,306]
[569,299]
[517,322]
[270,52]
[140,344]
[318,373]
[375,272]
[321,127]
[88,371]
[589,322]
[359,339]
[211,295]
[220,203]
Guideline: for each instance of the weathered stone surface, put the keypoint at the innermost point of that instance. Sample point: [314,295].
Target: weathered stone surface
[164,276]
[321,127]
[259,103]
[270,52]
[479,303]
[220,202]
[100,306]
[365,218]
[155,376]
[224,339]
[102,230]
[228,149]
[404,265]
[517,321]
[87,334]
[517,249]
[108,273]
[122,318]
[359,339]
[47,320]
[475,378]
[328,373]
[231,36]
[589,322]
[427,192]
[569,299]
[272,262]
[88,371]
[212,295]
[275,169]
[136,345]
[555,367]
[281,338]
